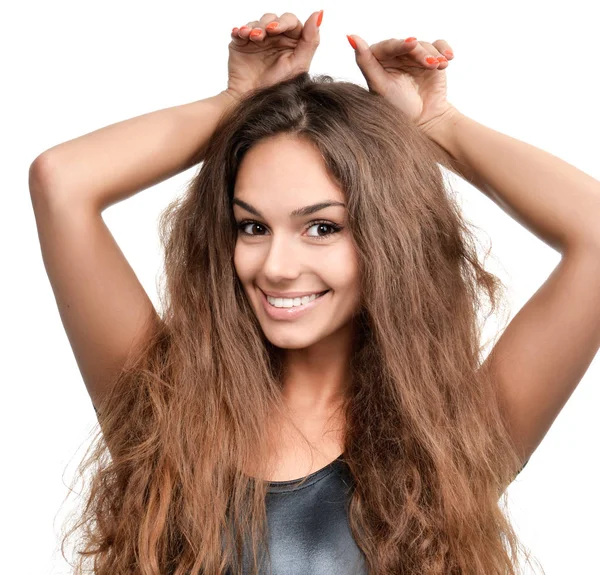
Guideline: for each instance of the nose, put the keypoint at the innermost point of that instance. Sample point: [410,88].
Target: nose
[282,261]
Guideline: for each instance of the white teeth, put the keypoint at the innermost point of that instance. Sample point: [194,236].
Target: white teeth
[291,302]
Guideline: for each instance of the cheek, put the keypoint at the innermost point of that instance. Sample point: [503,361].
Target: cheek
[240,262]
[248,262]
[342,268]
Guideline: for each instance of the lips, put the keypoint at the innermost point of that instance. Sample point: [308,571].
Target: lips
[289,313]
[293,295]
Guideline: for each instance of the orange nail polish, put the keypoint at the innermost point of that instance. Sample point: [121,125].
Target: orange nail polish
[320,18]
[431,60]
[411,39]
[352,42]
[449,53]
[272,25]
[255,33]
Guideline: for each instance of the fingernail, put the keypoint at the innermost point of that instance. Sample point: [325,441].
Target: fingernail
[255,33]
[320,18]
[411,39]
[431,60]
[449,53]
[352,42]
[272,25]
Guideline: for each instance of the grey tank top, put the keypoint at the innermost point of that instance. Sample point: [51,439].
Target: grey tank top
[308,525]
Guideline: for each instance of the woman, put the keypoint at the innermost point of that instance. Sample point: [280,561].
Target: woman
[320,321]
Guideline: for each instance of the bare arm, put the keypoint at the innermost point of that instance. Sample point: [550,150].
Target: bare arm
[115,162]
[554,200]
[104,309]
[548,346]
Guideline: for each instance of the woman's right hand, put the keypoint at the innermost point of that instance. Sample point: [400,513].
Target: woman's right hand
[260,60]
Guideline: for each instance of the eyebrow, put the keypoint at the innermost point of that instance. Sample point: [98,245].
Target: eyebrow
[299,212]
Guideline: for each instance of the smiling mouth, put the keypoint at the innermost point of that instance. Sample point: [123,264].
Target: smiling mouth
[317,296]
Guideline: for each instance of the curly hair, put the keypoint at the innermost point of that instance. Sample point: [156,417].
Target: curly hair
[425,438]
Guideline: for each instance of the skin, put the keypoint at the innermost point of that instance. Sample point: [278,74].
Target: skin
[293,254]
[260,53]
[541,357]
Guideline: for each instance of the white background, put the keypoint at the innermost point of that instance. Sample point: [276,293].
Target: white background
[528,69]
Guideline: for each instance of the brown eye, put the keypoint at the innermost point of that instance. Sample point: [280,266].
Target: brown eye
[246,224]
[329,227]
[334,229]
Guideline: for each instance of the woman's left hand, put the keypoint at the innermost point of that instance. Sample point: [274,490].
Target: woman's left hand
[411,75]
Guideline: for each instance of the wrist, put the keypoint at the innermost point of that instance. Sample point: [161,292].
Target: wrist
[442,132]
[223,102]
[228,98]
[231,94]
[442,128]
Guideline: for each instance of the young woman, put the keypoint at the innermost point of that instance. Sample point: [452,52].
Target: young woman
[313,396]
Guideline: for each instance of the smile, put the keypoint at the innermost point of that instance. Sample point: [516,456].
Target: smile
[292,307]
[292,302]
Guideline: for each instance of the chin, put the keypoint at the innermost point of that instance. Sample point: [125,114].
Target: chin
[290,342]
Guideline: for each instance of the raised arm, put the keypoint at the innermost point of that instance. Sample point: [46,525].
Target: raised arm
[548,346]
[115,162]
[104,309]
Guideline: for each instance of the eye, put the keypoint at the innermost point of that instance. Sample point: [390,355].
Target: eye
[324,225]
[320,225]
[246,224]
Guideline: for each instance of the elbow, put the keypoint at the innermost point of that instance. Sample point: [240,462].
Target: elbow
[40,173]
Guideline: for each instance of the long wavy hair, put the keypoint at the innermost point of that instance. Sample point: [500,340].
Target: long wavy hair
[425,438]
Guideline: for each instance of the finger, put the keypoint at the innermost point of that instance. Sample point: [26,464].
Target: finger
[421,52]
[269,23]
[257,35]
[266,19]
[389,49]
[371,68]
[444,48]
[235,37]
[244,31]
[289,25]
[309,40]
[441,62]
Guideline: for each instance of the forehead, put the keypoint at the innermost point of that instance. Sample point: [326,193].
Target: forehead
[285,168]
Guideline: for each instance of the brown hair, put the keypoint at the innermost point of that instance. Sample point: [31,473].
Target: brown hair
[425,439]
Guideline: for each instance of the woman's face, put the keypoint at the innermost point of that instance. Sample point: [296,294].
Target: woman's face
[293,255]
